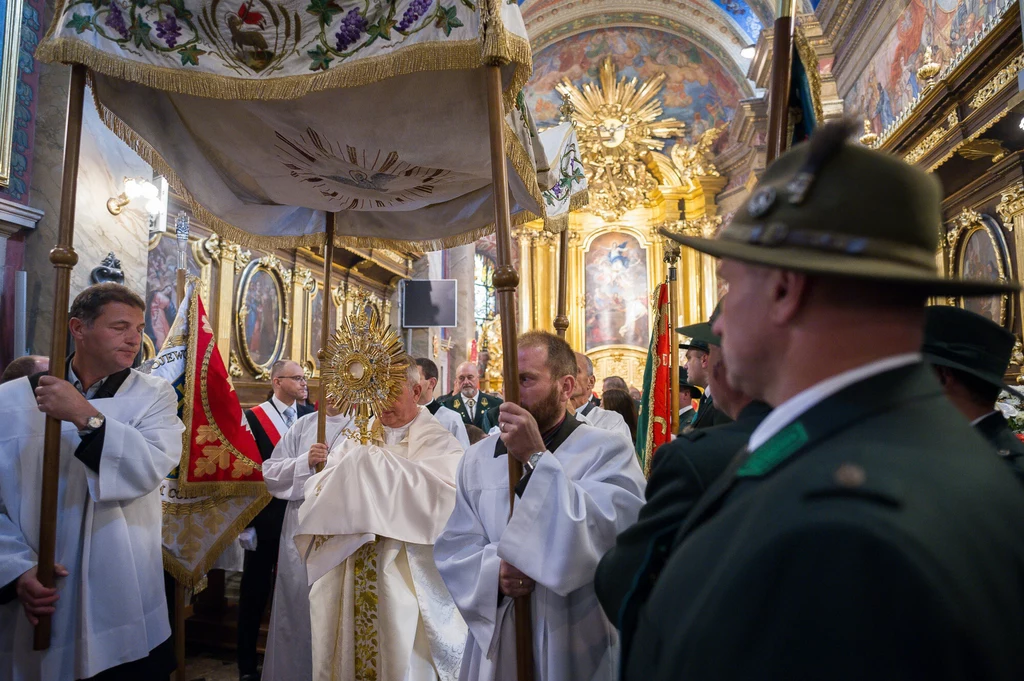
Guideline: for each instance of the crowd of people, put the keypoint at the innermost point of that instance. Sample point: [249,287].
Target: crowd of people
[843,499]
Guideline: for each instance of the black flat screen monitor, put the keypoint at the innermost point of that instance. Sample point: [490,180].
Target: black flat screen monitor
[429,302]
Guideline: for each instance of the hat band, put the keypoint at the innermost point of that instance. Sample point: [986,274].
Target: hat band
[778,234]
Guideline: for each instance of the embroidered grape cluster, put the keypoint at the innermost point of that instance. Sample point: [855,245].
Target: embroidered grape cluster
[115,20]
[168,30]
[352,26]
[413,12]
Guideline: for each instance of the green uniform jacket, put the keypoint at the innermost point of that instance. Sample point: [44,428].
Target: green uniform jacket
[708,415]
[484,402]
[682,471]
[866,540]
[996,430]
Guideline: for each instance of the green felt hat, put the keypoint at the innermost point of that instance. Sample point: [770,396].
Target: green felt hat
[968,342]
[701,336]
[833,207]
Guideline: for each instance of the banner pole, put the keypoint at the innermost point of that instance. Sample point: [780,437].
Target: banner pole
[325,332]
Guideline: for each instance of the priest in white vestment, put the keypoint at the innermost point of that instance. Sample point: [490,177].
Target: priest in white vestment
[378,606]
[587,411]
[581,488]
[289,655]
[120,436]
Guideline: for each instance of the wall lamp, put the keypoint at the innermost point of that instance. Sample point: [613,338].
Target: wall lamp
[136,187]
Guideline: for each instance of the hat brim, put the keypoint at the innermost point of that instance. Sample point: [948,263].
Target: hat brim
[844,265]
[991,379]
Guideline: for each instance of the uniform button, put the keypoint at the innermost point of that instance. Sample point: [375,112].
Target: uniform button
[850,475]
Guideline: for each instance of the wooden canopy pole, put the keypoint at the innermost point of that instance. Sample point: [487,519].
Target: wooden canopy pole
[562,318]
[325,332]
[778,94]
[64,259]
[505,281]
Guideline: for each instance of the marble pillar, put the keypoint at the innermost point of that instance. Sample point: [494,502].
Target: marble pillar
[461,268]
[104,162]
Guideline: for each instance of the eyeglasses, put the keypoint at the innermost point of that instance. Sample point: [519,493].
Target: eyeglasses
[300,379]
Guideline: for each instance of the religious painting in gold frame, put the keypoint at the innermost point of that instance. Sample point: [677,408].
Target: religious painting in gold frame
[979,251]
[262,307]
[10,46]
[617,291]
[161,285]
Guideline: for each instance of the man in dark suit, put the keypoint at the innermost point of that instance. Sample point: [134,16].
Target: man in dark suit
[268,422]
[970,355]
[682,471]
[865,531]
[700,351]
[688,392]
[469,402]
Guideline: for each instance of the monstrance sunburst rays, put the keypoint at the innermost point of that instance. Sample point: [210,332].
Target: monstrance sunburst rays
[618,124]
[363,366]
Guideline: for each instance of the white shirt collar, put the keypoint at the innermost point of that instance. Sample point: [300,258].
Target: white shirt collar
[794,407]
[281,406]
[978,420]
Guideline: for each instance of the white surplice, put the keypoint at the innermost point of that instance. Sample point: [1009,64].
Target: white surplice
[289,654]
[366,530]
[451,420]
[112,607]
[604,419]
[577,500]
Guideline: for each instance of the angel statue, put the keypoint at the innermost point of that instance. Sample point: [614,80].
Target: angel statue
[694,160]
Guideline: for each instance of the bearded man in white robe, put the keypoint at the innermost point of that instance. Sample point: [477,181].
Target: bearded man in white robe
[378,606]
[582,487]
[289,655]
[120,437]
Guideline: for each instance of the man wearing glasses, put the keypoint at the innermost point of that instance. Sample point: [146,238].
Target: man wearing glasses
[268,422]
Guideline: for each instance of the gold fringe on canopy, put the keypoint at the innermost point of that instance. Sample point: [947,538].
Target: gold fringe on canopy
[513,148]
[496,42]
[559,223]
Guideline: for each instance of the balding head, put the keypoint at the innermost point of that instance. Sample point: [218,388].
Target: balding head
[29,365]
[467,379]
[585,380]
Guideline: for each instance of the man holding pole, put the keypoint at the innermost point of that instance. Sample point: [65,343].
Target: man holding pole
[120,437]
[582,487]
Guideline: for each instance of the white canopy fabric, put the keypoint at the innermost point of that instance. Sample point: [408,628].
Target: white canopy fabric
[266,115]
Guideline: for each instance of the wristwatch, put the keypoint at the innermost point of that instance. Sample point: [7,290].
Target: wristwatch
[532,462]
[92,424]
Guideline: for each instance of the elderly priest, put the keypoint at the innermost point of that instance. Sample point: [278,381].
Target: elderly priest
[378,606]
[120,437]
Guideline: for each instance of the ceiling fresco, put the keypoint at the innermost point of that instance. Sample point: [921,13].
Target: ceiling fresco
[698,90]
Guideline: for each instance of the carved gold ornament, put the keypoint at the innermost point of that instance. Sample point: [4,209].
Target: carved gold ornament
[930,68]
[618,126]
[363,369]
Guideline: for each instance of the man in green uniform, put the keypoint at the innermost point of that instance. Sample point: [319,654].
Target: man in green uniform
[970,355]
[699,360]
[859,535]
[682,471]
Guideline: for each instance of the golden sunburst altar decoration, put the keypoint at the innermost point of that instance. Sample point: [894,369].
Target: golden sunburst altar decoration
[363,366]
[619,124]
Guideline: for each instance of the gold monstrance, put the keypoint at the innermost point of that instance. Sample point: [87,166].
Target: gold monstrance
[363,367]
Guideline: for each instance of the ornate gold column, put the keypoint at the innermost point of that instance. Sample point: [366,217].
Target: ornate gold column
[303,288]
[229,256]
[525,237]
[1011,210]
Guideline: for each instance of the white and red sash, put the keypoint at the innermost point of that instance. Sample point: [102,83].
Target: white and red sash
[272,421]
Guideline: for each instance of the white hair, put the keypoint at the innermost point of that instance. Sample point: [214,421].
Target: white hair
[412,371]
